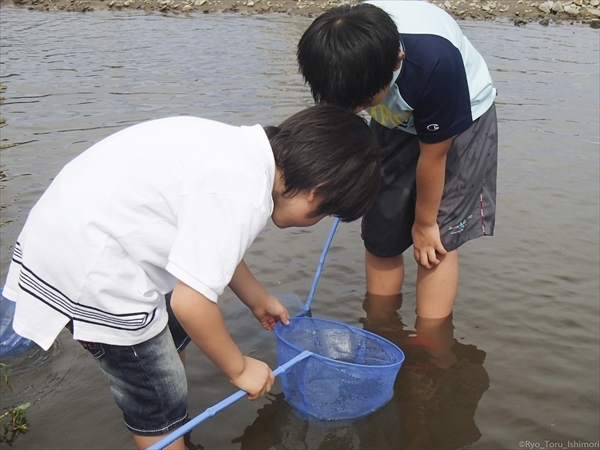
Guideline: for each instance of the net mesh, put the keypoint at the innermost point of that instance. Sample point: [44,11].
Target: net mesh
[350,374]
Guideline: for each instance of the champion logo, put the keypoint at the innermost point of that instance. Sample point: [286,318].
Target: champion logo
[433,127]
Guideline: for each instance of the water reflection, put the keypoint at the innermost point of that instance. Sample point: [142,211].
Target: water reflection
[441,382]
[435,395]
[277,426]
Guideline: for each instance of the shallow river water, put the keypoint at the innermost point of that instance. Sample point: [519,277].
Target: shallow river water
[520,367]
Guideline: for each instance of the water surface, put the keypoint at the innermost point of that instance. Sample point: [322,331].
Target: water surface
[523,343]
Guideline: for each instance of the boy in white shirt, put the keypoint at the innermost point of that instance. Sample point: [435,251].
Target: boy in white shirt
[172,205]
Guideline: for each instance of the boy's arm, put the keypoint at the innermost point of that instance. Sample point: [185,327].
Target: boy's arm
[203,322]
[266,308]
[431,172]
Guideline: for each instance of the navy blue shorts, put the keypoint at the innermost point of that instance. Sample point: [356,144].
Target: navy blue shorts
[148,380]
[468,205]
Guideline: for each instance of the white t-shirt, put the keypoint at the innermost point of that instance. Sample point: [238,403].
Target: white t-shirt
[176,198]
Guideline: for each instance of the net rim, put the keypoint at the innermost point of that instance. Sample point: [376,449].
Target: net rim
[353,329]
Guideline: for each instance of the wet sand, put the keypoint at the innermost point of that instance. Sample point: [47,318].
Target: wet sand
[520,12]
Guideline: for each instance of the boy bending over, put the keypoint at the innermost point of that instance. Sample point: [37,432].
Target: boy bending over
[431,101]
[172,205]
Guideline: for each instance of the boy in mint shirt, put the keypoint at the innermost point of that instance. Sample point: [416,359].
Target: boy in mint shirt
[431,101]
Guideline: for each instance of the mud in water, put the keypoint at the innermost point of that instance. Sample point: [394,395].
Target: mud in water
[520,12]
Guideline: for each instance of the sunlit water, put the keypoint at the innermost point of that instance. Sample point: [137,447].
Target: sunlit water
[525,339]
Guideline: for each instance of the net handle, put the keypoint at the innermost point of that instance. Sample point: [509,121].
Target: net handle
[211,411]
[313,288]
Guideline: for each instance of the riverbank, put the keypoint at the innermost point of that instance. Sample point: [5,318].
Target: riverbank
[520,12]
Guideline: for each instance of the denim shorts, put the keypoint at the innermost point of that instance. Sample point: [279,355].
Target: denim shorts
[468,206]
[147,380]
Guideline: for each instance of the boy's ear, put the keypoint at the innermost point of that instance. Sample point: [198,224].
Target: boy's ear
[312,195]
[401,55]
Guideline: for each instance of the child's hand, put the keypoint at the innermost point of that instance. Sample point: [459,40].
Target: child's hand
[270,311]
[256,379]
[427,245]
[266,308]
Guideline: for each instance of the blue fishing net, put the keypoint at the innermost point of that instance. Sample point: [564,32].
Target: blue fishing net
[350,374]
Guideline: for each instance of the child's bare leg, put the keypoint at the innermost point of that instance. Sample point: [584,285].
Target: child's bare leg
[143,442]
[437,287]
[440,333]
[382,307]
[384,275]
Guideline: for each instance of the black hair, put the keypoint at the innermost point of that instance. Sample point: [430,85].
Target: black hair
[333,151]
[348,54]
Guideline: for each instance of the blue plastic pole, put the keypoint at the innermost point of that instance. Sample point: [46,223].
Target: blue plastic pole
[319,268]
[210,412]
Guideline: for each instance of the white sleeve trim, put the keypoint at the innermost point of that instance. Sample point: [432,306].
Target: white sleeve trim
[192,282]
